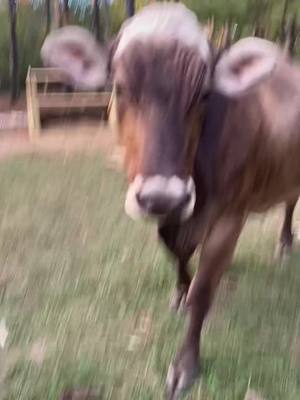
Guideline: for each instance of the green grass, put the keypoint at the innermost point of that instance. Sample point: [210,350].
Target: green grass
[77,274]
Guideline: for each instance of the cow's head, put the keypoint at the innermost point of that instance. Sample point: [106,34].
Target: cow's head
[161,67]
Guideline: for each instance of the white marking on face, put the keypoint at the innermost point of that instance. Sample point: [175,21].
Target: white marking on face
[132,208]
[174,187]
[189,208]
[164,22]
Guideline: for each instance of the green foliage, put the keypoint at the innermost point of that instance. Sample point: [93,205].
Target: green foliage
[30,31]
[4,50]
[31,24]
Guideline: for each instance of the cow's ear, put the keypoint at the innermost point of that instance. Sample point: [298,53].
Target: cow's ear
[245,65]
[75,51]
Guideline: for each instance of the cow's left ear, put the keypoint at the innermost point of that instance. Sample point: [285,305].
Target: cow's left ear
[245,65]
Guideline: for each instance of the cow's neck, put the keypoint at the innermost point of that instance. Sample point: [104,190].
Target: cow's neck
[210,133]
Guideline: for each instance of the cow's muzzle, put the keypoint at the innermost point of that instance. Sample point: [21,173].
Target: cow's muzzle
[158,197]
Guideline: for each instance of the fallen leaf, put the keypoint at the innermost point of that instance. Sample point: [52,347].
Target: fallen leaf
[145,324]
[295,351]
[134,342]
[252,395]
[38,352]
[3,333]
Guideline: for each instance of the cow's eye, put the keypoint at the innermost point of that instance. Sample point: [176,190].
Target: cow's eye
[124,93]
[118,89]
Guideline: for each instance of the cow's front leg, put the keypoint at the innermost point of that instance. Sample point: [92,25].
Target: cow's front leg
[286,237]
[216,255]
[181,241]
[178,299]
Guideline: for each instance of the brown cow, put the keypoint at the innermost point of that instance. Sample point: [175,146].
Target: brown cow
[206,141]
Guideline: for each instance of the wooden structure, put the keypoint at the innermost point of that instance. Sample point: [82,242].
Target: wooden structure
[40,98]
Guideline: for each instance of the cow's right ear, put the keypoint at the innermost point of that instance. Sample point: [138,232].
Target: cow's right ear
[75,51]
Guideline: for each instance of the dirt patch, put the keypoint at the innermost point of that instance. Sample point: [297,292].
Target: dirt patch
[5,103]
[67,134]
[66,139]
[13,120]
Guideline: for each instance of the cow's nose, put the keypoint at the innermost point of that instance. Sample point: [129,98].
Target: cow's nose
[161,204]
[161,196]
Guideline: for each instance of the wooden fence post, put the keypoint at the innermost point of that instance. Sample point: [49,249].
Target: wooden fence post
[33,112]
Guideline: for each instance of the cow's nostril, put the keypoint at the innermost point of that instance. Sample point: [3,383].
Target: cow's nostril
[161,197]
[185,200]
[141,200]
[155,205]
[161,205]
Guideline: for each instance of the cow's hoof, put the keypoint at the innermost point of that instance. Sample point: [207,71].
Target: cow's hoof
[178,300]
[181,376]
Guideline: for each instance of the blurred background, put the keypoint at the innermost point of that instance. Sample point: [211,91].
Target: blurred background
[84,291]
[273,19]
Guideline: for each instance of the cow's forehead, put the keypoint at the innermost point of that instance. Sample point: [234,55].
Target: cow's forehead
[160,70]
[164,21]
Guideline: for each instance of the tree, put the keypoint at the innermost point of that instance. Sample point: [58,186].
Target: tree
[48,16]
[14,57]
[130,8]
[291,33]
[65,12]
[55,14]
[96,23]
[282,32]
[106,19]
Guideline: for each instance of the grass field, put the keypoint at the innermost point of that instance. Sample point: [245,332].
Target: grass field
[84,294]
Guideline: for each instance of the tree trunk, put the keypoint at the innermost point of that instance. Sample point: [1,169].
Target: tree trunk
[56,14]
[12,5]
[282,32]
[291,36]
[106,19]
[259,17]
[130,8]
[48,16]
[96,22]
[65,12]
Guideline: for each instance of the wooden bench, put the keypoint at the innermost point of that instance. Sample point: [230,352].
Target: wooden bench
[39,97]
